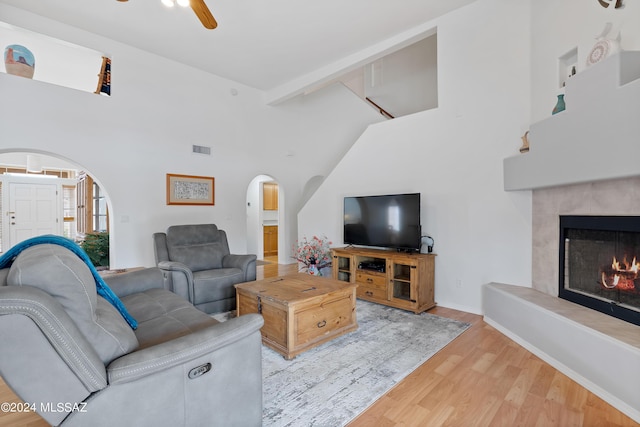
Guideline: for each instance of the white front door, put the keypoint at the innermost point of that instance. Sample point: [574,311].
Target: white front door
[33,211]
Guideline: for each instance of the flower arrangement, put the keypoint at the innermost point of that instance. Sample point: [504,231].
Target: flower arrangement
[315,252]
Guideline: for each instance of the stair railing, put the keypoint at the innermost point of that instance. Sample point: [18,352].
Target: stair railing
[380,109]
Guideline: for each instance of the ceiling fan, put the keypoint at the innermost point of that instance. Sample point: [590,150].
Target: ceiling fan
[200,8]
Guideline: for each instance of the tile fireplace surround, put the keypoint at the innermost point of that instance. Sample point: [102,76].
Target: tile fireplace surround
[611,197]
[581,162]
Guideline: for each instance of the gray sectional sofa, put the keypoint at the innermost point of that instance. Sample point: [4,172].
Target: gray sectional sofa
[70,353]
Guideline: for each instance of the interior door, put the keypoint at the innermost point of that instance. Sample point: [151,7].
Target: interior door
[270,196]
[270,240]
[32,211]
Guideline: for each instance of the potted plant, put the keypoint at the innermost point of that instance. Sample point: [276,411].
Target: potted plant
[97,248]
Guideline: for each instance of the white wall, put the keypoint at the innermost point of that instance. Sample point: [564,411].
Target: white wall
[453,156]
[157,110]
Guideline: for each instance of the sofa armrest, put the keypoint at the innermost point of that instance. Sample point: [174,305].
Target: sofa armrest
[246,263]
[181,278]
[61,334]
[138,281]
[182,350]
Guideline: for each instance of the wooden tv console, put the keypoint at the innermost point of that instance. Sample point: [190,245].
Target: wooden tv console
[397,279]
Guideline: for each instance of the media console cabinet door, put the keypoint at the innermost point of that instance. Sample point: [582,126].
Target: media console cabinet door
[343,267]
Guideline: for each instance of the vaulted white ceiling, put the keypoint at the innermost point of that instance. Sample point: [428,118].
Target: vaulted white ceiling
[264,44]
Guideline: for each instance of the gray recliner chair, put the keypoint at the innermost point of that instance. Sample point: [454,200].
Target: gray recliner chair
[203,270]
[70,353]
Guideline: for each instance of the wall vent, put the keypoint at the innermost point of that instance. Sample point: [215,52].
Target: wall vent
[200,149]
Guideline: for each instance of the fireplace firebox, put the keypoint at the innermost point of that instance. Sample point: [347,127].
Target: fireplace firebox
[600,264]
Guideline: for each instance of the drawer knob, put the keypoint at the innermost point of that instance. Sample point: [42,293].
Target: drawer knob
[322,324]
[369,293]
[369,280]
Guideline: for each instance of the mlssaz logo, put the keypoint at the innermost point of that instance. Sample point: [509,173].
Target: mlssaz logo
[199,371]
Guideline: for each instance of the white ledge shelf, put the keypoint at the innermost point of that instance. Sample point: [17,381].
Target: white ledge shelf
[595,138]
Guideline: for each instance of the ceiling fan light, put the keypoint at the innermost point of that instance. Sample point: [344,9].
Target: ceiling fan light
[168,3]
[183,3]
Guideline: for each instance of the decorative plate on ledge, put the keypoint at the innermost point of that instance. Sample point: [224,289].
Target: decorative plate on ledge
[601,50]
[605,46]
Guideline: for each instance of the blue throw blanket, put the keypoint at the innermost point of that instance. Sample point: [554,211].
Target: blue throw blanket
[103,289]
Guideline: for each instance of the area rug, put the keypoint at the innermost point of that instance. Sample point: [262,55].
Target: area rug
[331,384]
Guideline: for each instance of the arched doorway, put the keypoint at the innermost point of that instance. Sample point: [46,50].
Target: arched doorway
[42,193]
[265,219]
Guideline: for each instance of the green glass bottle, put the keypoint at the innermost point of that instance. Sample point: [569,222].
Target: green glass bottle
[559,105]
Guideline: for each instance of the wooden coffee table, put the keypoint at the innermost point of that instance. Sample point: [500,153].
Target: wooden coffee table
[300,311]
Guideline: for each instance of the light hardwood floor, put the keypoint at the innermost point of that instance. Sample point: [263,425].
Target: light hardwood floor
[482,378]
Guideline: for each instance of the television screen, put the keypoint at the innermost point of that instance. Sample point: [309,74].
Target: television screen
[389,221]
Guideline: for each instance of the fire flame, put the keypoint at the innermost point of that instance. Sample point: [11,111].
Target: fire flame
[633,268]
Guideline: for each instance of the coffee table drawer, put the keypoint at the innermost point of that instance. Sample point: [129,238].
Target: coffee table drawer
[319,321]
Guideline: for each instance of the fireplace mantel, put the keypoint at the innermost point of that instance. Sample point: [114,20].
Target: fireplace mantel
[594,139]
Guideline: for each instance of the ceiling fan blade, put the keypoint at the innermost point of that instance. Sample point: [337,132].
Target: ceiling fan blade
[203,13]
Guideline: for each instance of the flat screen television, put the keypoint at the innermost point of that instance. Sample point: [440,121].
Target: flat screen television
[387,221]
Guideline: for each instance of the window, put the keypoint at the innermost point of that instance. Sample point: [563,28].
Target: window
[92,212]
[69,211]
[99,211]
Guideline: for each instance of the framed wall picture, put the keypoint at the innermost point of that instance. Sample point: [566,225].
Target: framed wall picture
[190,190]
